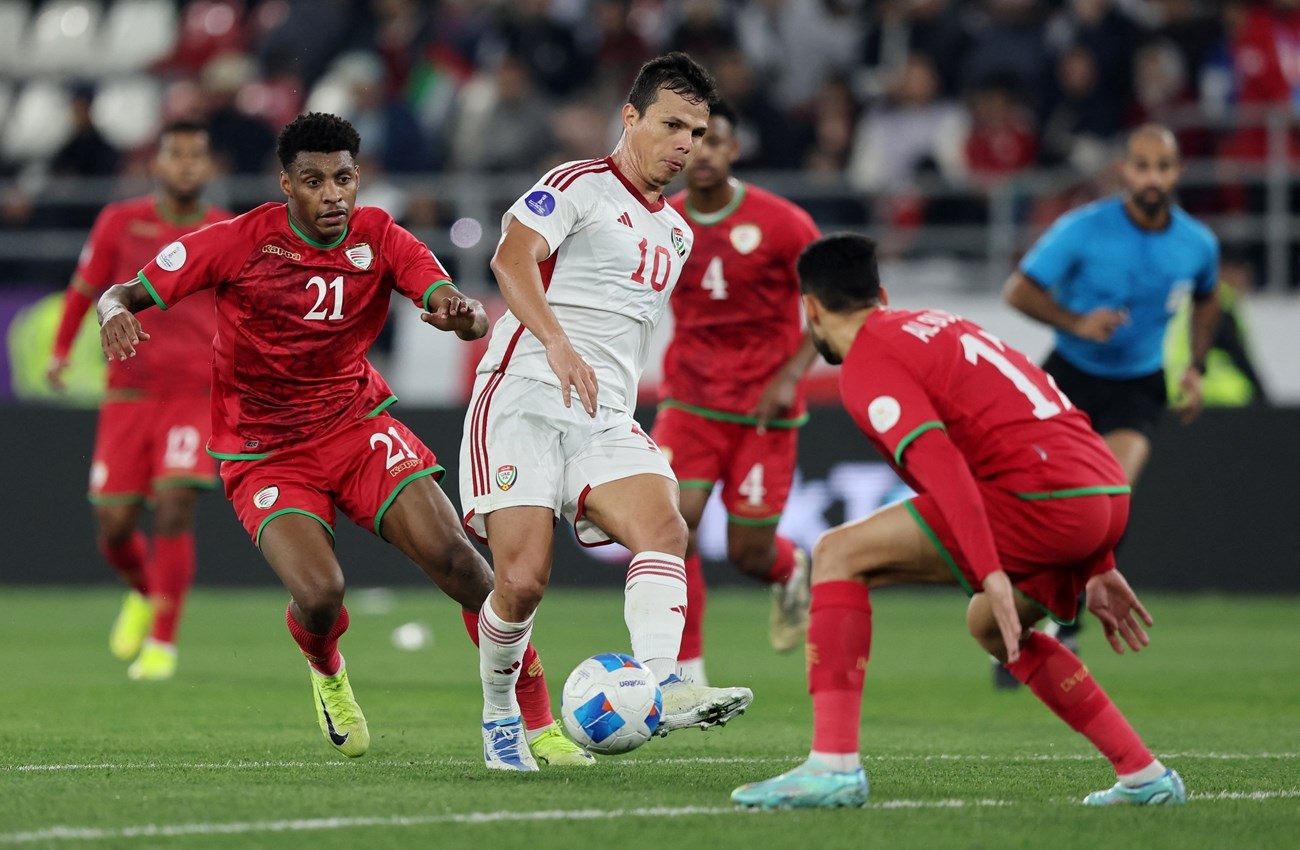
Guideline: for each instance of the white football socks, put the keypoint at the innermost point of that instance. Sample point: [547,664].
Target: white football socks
[501,646]
[654,608]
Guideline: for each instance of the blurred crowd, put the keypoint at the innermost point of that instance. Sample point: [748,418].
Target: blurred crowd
[884,96]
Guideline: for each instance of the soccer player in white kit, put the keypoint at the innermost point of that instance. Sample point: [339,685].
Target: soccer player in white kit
[586,262]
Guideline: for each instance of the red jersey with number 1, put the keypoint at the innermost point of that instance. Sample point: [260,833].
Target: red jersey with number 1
[295,319]
[910,371]
[736,310]
[177,360]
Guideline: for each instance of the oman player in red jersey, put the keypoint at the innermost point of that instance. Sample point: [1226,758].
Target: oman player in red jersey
[299,416]
[1017,493]
[155,417]
[732,401]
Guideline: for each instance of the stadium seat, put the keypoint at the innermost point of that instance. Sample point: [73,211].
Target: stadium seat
[136,34]
[331,94]
[126,111]
[38,123]
[14,15]
[61,38]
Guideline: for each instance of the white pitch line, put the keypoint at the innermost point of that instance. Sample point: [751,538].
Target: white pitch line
[684,760]
[73,833]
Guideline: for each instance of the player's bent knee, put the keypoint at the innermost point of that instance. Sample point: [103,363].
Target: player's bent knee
[752,560]
[519,595]
[831,560]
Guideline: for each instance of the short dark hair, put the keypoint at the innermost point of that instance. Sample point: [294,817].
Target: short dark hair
[316,132]
[724,110]
[678,73]
[840,271]
[182,125]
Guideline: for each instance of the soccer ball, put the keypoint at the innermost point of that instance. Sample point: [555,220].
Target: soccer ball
[611,703]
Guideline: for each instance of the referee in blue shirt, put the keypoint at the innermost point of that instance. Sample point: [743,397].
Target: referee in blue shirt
[1108,277]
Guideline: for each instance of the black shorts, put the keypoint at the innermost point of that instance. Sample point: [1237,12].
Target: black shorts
[1111,403]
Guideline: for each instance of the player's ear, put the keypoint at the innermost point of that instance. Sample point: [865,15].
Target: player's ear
[629,116]
[884,296]
[811,308]
[285,186]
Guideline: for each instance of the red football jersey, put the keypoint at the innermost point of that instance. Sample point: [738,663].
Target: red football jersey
[910,371]
[177,360]
[295,319]
[736,310]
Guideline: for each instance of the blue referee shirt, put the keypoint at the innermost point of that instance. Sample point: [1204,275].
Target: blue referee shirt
[1096,256]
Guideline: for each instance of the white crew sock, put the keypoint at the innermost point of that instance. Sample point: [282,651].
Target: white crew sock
[654,608]
[501,646]
[838,762]
[1150,773]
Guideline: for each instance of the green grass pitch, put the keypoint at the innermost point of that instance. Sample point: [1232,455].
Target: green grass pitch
[229,754]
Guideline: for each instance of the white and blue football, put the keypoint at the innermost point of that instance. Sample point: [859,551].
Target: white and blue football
[611,704]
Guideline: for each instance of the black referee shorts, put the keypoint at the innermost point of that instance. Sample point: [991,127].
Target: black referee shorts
[1136,403]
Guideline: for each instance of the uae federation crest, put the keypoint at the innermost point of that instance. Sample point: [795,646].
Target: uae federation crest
[506,476]
[679,242]
[360,256]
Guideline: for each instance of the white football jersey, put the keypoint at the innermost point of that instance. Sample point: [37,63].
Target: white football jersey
[614,261]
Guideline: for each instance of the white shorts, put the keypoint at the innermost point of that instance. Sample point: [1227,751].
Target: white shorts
[522,446]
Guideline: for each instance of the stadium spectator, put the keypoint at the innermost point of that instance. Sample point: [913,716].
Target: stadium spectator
[547,47]
[936,28]
[954,409]
[1083,120]
[155,419]
[502,122]
[581,310]
[86,153]
[393,137]
[795,44]
[301,426]
[1010,41]
[240,142]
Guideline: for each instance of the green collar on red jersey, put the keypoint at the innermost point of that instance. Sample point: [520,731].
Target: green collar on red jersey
[167,215]
[706,219]
[312,242]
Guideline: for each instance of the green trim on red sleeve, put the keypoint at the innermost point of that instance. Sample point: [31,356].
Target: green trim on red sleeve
[383,405]
[153,293]
[429,292]
[916,432]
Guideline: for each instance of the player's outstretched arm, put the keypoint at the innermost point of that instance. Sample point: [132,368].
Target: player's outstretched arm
[80,295]
[119,330]
[1112,601]
[455,311]
[516,265]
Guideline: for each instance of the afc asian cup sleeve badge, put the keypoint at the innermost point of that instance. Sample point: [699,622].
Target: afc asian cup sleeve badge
[172,257]
[360,256]
[506,477]
[679,242]
[884,413]
[745,238]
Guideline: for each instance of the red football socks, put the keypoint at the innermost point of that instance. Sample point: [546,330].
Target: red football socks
[322,651]
[839,644]
[1063,683]
[783,566]
[171,572]
[697,595]
[530,690]
[129,559]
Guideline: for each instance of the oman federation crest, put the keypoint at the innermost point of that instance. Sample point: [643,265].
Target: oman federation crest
[360,256]
[506,476]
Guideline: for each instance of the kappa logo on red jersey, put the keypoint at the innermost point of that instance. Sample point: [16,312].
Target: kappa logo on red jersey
[506,477]
[625,220]
[360,256]
[745,238]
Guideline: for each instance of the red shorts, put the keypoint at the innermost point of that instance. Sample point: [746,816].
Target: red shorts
[360,468]
[1049,548]
[150,444]
[756,469]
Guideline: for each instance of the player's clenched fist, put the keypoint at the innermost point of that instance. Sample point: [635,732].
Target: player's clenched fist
[119,334]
